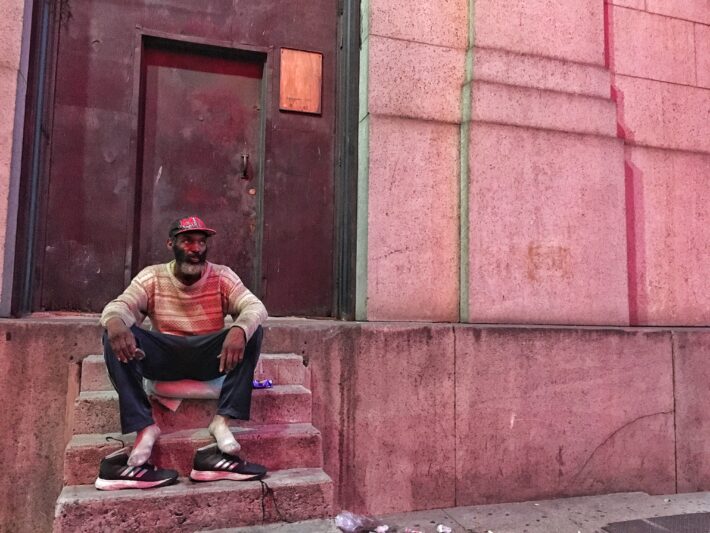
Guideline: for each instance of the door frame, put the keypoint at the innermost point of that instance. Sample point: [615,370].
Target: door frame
[47,18]
[143,36]
[346,165]
[37,143]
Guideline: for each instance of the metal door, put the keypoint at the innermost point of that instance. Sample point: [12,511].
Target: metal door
[200,130]
[121,165]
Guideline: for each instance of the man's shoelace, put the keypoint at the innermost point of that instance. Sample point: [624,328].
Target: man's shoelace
[110,438]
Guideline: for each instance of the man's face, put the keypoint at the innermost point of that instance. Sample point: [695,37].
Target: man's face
[190,251]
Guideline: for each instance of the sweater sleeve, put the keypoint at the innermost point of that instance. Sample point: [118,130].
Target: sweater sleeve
[246,309]
[132,305]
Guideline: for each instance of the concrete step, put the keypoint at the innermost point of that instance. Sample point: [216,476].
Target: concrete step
[282,368]
[97,411]
[276,446]
[299,494]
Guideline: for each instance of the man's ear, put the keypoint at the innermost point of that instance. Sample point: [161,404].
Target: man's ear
[170,244]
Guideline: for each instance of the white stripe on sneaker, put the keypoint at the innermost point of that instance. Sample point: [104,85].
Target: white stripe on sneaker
[220,463]
[126,471]
[141,473]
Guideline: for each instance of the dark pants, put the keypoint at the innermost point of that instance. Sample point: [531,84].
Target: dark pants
[170,358]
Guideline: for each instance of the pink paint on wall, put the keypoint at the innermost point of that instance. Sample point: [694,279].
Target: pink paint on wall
[672,266]
[506,104]
[544,413]
[702,55]
[635,239]
[443,23]
[499,66]
[666,115]
[8,94]
[13,12]
[401,430]
[653,46]
[636,4]
[413,239]
[547,239]
[664,197]
[692,396]
[564,29]
[695,10]
[415,80]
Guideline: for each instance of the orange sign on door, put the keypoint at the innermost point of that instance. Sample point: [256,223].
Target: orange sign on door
[301,81]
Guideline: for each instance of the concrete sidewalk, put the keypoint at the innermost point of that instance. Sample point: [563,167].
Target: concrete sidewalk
[569,515]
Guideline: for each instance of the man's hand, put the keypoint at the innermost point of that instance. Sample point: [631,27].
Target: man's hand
[122,341]
[232,349]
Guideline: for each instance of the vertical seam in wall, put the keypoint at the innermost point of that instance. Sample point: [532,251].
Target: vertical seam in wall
[363,159]
[675,413]
[695,52]
[456,435]
[464,171]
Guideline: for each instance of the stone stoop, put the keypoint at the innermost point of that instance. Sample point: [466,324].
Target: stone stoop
[97,411]
[280,435]
[283,369]
[299,494]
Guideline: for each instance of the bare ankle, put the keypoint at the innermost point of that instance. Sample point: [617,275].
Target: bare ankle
[143,446]
[219,420]
[219,428]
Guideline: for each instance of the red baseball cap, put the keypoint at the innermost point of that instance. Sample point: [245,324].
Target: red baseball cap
[185,224]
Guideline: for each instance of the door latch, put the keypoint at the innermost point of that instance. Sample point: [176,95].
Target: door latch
[245,166]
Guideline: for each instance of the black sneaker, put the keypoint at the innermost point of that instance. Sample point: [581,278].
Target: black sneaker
[115,474]
[211,464]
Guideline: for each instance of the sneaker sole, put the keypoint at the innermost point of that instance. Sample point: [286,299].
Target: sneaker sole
[120,484]
[213,475]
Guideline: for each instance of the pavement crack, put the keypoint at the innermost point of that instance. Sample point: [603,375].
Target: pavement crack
[459,524]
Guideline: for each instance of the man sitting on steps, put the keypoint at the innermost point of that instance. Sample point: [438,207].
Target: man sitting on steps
[186,301]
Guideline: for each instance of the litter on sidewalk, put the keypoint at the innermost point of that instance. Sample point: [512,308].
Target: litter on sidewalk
[349,522]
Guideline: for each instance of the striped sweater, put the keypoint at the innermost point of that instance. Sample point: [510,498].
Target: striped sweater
[180,309]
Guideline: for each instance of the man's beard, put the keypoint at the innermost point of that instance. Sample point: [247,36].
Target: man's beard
[186,267]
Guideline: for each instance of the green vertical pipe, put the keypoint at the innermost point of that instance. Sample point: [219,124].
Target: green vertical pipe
[464,173]
[363,167]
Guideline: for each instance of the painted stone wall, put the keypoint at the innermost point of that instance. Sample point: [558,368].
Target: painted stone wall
[539,161]
[412,71]
[503,413]
[535,161]
[546,222]
[659,55]
[37,362]
[14,53]
[493,413]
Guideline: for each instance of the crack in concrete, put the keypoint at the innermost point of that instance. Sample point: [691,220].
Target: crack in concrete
[612,435]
